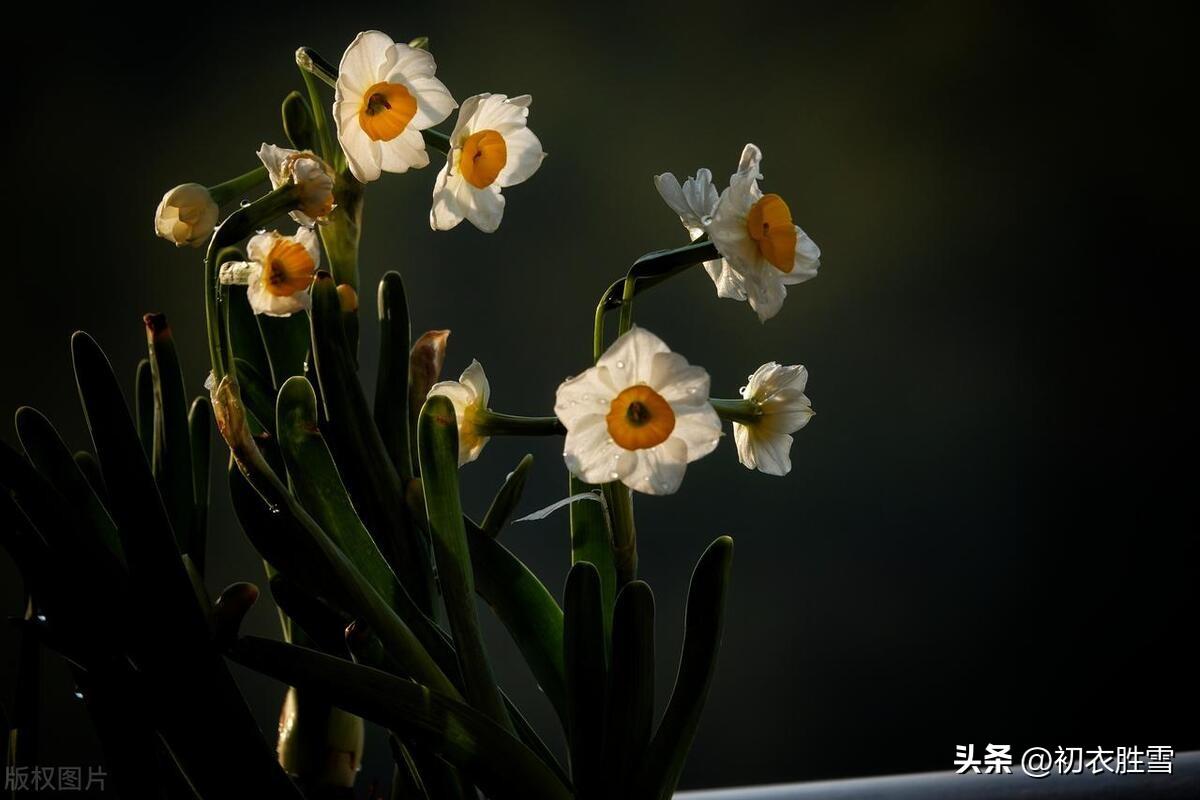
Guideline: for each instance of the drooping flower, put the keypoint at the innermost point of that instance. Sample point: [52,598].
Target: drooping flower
[640,416]
[386,95]
[763,250]
[280,271]
[186,215]
[305,169]
[782,408]
[469,395]
[491,149]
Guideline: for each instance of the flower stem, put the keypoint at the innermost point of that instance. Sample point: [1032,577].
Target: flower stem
[310,61]
[309,71]
[619,501]
[237,226]
[744,411]
[491,423]
[224,192]
[437,140]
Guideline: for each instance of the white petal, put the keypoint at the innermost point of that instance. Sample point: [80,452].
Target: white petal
[728,282]
[362,154]
[446,211]
[741,437]
[405,151]
[460,396]
[698,427]
[589,451]
[466,118]
[629,358]
[806,261]
[524,156]
[263,302]
[486,209]
[659,469]
[274,158]
[677,381]
[584,395]
[259,246]
[672,194]
[496,113]
[474,379]
[408,63]
[308,239]
[765,290]
[363,62]
[434,102]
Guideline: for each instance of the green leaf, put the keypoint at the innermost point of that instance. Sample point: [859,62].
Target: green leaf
[200,432]
[257,392]
[587,676]
[527,609]
[437,447]
[500,764]
[371,478]
[704,620]
[391,384]
[505,502]
[286,338]
[50,457]
[172,441]
[143,398]
[324,625]
[90,467]
[298,123]
[630,713]
[591,541]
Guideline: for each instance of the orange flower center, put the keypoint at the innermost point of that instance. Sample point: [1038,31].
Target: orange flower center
[770,226]
[639,418]
[289,269]
[386,111]
[484,154]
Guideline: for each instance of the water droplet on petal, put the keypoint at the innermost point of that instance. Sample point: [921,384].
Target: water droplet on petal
[614,475]
[620,365]
[742,391]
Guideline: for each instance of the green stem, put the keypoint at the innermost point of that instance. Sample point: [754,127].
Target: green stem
[626,319]
[437,140]
[491,423]
[318,111]
[310,61]
[744,411]
[224,192]
[237,226]
[619,501]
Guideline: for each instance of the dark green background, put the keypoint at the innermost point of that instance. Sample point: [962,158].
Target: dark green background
[984,536]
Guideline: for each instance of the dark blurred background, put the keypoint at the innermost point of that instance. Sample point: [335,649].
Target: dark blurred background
[984,537]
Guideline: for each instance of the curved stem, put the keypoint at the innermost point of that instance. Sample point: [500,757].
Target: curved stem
[491,423]
[236,227]
[224,192]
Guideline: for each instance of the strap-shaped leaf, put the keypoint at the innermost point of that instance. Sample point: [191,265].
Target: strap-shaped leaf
[505,502]
[90,467]
[630,713]
[437,446]
[258,393]
[287,339]
[200,431]
[210,722]
[587,676]
[371,478]
[143,400]
[704,620]
[50,457]
[526,608]
[172,440]
[391,384]
[495,760]
[591,541]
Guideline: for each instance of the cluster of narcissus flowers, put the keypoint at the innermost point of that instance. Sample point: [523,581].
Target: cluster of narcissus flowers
[642,413]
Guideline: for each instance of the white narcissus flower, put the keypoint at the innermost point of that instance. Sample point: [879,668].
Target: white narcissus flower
[491,149]
[763,250]
[186,215]
[640,416]
[469,395]
[307,171]
[386,95]
[279,273]
[777,392]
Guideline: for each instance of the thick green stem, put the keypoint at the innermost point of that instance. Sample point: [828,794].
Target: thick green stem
[318,106]
[490,423]
[744,411]
[222,193]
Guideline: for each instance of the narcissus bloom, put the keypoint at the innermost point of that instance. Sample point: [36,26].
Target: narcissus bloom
[469,395]
[777,393]
[186,215]
[386,95]
[640,416]
[305,169]
[279,273]
[491,149]
[764,251]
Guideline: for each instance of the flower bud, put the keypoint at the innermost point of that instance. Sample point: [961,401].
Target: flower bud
[186,215]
